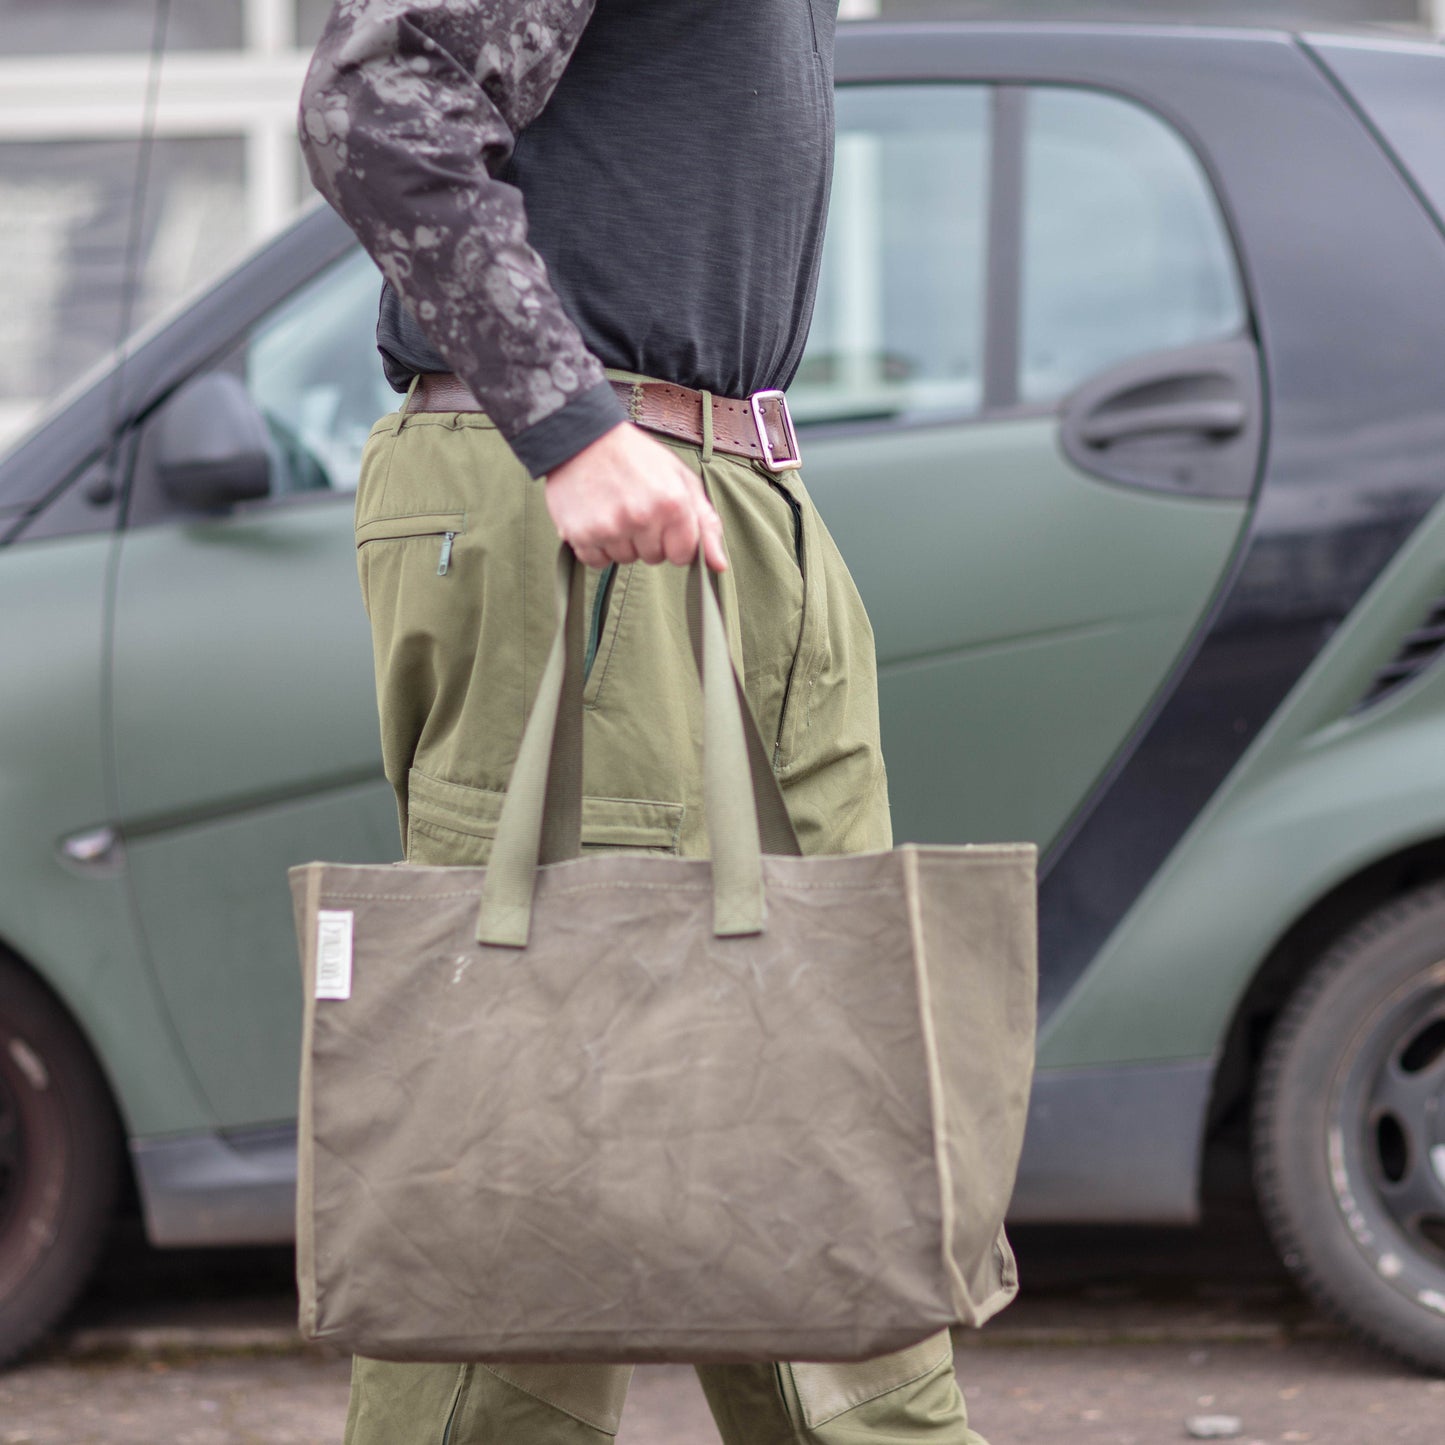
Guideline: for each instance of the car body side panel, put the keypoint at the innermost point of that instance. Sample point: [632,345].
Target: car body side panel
[1025,614]
[1113,1142]
[1356,426]
[246,740]
[242,662]
[218,927]
[72,922]
[199,1189]
[1326,791]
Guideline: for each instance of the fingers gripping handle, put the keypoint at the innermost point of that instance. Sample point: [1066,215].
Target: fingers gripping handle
[541,817]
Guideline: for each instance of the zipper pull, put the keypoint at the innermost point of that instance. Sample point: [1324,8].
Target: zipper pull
[446,557]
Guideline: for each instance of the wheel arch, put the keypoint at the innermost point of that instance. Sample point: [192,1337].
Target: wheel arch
[1287,964]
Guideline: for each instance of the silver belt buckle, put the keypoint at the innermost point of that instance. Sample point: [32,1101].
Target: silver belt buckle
[759,401]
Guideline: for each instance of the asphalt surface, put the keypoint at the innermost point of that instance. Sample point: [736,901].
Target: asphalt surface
[1122,1337]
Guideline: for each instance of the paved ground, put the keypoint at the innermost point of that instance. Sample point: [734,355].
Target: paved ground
[1318,1391]
[1281,1386]
[1124,1337]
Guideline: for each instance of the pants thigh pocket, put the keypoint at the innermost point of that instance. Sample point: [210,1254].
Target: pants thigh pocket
[827,1391]
[593,1394]
[429,534]
[454,824]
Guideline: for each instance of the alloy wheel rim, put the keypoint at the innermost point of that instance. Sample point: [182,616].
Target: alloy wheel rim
[1386,1138]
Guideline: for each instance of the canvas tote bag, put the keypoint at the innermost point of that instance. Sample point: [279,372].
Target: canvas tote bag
[632,1108]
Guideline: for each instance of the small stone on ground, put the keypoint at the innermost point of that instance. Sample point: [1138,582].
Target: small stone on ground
[1213,1427]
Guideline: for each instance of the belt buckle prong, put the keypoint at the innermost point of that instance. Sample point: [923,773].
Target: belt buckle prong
[774,463]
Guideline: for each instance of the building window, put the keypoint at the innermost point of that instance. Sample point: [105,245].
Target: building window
[105,27]
[65,220]
[225,172]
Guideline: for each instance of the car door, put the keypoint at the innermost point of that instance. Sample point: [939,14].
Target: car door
[243,718]
[1032,417]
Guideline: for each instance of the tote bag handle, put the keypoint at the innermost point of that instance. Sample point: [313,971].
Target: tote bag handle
[541,820]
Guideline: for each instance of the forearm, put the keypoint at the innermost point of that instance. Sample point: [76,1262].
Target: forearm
[407,112]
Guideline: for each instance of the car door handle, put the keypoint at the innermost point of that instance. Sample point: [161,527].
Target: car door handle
[1188,421]
[1222,418]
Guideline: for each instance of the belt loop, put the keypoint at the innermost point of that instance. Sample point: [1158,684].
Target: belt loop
[406,402]
[707,426]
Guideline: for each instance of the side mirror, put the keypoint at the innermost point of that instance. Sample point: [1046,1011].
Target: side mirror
[212,445]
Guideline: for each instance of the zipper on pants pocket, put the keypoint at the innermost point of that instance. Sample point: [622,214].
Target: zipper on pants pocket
[408,526]
[599,617]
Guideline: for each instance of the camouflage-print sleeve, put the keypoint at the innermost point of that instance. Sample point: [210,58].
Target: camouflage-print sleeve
[408,108]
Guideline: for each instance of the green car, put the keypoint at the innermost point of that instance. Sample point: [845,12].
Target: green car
[1124,402]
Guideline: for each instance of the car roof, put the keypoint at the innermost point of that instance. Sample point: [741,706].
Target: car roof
[1367,35]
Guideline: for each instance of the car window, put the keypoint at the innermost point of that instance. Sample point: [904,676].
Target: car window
[313,370]
[898,324]
[1124,248]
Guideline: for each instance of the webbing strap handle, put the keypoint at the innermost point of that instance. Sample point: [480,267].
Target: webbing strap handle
[541,819]
[542,814]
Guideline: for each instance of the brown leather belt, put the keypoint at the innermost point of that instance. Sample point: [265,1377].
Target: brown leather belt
[758,427]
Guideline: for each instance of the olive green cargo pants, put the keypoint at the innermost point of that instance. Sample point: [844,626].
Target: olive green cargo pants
[456,557]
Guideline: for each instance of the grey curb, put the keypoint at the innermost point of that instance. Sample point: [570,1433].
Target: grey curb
[111,1342]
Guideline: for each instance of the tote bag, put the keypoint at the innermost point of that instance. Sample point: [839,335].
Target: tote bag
[632,1108]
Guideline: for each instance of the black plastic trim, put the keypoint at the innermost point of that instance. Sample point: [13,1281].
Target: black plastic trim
[1420,650]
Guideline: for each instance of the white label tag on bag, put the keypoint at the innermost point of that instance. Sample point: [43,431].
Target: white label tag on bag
[333,953]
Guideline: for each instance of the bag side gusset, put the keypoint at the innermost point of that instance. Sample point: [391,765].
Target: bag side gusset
[306,882]
[973,913]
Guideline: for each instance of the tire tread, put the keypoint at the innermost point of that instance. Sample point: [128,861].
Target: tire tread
[1387,1332]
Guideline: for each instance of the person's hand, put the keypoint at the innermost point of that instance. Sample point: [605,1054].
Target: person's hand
[626,498]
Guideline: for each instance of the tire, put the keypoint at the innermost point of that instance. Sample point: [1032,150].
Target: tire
[59,1161]
[1349,1130]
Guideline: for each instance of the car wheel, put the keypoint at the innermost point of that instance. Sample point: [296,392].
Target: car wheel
[1350,1130]
[58,1160]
